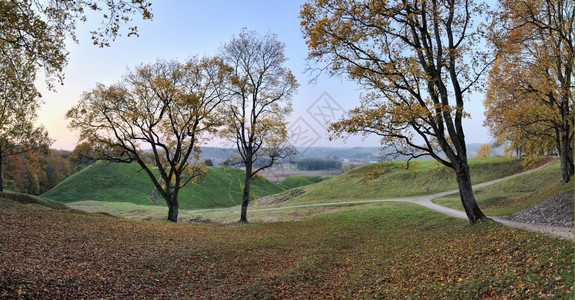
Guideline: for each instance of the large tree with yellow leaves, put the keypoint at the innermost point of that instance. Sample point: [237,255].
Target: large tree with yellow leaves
[418,60]
[532,87]
[168,108]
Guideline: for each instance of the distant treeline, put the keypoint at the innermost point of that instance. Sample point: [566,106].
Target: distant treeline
[35,172]
[314,164]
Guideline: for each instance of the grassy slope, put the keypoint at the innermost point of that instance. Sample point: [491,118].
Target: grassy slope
[517,193]
[112,182]
[301,180]
[385,250]
[502,198]
[401,183]
[31,199]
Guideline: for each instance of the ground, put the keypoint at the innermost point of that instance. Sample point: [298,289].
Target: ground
[557,211]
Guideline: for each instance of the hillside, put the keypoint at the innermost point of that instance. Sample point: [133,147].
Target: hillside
[31,199]
[393,181]
[115,182]
[517,193]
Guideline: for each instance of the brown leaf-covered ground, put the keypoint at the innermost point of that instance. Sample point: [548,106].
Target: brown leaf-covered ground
[388,250]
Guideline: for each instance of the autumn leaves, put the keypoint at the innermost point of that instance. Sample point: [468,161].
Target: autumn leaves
[168,109]
[420,61]
[530,92]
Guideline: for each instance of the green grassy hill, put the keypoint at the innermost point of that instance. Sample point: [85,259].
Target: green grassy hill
[115,182]
[502,198]
[398,182]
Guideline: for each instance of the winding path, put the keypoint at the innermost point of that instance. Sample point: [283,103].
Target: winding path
[427,201]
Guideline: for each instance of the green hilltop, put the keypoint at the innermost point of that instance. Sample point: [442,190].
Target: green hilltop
[391,180]
[118,182]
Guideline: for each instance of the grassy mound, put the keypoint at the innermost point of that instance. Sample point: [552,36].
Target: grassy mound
[397,182]
[115,182]
[301,180]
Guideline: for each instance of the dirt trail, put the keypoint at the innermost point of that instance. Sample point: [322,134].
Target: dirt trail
[427,201]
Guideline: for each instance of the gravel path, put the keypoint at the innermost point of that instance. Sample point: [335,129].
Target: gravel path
[557,211]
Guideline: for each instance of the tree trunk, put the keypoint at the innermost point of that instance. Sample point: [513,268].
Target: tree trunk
[173,207]
[172,201]
[472,210]
[246,195]
[566,157]
[1,175]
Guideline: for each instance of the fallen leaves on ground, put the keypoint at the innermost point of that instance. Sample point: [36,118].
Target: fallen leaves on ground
[385,250]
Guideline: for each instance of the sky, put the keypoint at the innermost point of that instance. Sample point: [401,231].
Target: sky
[181,29]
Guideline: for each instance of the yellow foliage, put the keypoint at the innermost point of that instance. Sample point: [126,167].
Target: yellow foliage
[375,172]
[484,151]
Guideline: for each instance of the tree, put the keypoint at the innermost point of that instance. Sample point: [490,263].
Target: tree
[82,156]
[166,107]
[32,37]
[56,168]
[19,138]
[260,89]
[36,30]
[18,108]
[418,60]
[519,122]
[318,164]
[484,151]
[534,42]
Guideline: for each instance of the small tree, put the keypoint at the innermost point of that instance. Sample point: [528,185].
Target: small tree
[261,89]
[82,156]
[484,151]
[167,107]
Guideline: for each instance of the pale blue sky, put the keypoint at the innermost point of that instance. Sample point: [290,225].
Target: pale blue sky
[181,29]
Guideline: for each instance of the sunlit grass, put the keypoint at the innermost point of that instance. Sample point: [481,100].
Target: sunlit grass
[515,194]
[115,182]
[401,183]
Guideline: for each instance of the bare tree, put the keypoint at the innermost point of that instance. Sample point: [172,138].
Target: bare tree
[261,89]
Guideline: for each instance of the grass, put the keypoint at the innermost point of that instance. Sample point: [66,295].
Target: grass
[400,183]
[32,200]
[515,194]
[114,182]
[498,199]
[301,180]
[386,250]
[224,215]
